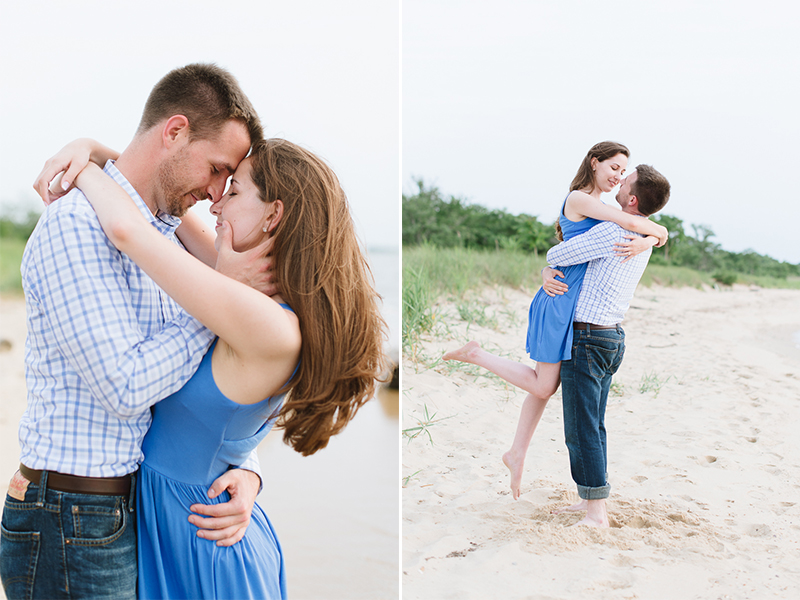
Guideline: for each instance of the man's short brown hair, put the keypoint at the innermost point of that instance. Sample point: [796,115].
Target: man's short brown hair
[651,188]
[207,95]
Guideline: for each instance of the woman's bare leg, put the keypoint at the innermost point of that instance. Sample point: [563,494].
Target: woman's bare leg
[530,415]
[534,381]
[540,383]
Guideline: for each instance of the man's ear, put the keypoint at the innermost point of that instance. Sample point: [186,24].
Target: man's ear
[633,201]
[276,216]
[175,131]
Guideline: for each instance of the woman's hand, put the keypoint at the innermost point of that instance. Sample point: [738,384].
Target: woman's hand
[551,285]
[252,267]
[71,160]
[635,246]
[663,236]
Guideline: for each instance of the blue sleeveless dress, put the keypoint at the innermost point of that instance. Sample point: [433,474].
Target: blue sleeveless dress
[195,435]
[550,318]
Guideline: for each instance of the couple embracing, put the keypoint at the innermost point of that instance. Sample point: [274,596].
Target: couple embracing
[574,331]
[153,373]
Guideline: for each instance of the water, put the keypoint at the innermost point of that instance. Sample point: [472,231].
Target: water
[385,266]
[337,513]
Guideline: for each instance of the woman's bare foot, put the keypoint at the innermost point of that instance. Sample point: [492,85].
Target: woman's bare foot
[582,505]
[464,354]
[515,465]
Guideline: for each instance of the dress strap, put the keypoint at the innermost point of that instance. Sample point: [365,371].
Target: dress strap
[286,306]
[564,204]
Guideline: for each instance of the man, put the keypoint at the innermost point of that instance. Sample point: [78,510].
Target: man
[599,341]
[105,344]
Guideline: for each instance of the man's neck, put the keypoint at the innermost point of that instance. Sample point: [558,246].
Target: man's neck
[137,165]
[632,211]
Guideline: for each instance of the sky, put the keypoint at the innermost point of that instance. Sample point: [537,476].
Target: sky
[502,100]
[324,75]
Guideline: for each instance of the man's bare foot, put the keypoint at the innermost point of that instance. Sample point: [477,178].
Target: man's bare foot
[514,465]
[596,514]
[587,522]
[582,505]
[464,354]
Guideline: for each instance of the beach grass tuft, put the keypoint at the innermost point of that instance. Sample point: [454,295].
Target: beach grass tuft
[473,312]
[651,382]
[408,478]
[617,389]
[423,426]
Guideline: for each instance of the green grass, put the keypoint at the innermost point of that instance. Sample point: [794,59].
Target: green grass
[456,270]
[431,273]
[423,426]
[651,382]
[408,478]
[790,283]
[10,258]
[685,277]
[675,277]
[474,312]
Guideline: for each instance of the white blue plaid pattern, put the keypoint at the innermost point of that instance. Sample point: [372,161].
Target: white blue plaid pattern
[609,283]
[104,343]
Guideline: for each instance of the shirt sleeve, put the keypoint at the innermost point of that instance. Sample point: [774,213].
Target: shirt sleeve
[596,243]
[252,464]
[82,289]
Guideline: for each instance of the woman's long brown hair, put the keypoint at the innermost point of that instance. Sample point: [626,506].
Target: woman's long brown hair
[325,279]
[584,178]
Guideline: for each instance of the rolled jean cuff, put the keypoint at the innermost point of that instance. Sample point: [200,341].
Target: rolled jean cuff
[593,493]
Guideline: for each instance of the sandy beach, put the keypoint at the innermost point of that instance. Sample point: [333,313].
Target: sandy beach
[704,460]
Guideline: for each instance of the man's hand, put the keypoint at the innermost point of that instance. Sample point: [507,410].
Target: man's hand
[227,522]
[550,285]
[252,267]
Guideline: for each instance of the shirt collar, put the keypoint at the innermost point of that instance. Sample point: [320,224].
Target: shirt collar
[163,222]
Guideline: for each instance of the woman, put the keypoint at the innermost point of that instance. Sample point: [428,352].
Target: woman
[306,358]
[549,338]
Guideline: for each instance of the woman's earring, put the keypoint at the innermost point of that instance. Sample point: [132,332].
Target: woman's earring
[264,229]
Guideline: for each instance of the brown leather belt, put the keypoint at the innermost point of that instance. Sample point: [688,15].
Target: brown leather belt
[73,484]
[590,326]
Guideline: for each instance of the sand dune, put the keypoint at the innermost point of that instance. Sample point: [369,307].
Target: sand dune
[704,460]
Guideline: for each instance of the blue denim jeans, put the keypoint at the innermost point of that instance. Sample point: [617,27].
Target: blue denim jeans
[61,545]
[585,381]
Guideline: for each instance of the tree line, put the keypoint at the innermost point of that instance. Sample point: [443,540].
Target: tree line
[18,227]
[447,222]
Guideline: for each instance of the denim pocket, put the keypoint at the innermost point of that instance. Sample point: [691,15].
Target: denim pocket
[95,522]
[19,555]
[604,358]
[97,525]
[105,554]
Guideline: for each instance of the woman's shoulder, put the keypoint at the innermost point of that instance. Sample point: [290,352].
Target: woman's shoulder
[579,196]
[575,206]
